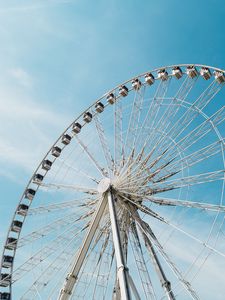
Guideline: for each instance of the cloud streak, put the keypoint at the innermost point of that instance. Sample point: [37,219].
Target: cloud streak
[23,7]
[23,145]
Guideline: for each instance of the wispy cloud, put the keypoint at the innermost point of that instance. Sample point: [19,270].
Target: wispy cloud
[21,76]
[27,128]
[26,5]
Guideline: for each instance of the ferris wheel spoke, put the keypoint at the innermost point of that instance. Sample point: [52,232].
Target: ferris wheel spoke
[151,238]
[151,213]
[150,137]
[137,117]
[204,128]
[104,144]
[191,113]
[194,238]
[154,108]
[77,170]
[140,222]
[106,232]
[178,99]
[99,234]
[100,269]
[130,163]
[140,163]
[131,132]
[144,228]
[62,259]
[77,188]
[141,264]
[138,166]
[160,96]
[110,264]
[93,262]
[141,180]
[145,175]
[141,157]
[91,157]
[154,187]
[154,157]
[196,157]
[44,253]
[186,87]
[191,180]
[208,94]
[145,209]
[61,205]
[198,105]
[184,203]
[142,208]
[72,276]
[156,102]
[165,137]
[52,227]
[200,131]
[98,282]
[187,161]
[88,270]
[118,136]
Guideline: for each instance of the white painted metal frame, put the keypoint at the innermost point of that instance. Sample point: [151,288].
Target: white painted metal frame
[197,107]
[73,275]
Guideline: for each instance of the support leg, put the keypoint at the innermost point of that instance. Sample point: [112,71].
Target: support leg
[159,270]
[122,272]
[71,279]
[162,277]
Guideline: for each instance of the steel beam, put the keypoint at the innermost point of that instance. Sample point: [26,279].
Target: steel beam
[159,270]
[122,271]
[133,288]
[71,279]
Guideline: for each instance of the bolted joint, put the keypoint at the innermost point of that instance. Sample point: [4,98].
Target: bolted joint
[71,276]
[64,291]
[167,284]
[123,268]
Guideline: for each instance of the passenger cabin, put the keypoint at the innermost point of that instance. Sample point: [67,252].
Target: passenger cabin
[123,91]
[76,127]
[192,72]
[205,73]
[176,72]
[16,226]
[29,194]
[163,75]
[5,279]
[7,261]
[111,98]
[22,209]
[87,117]
[46,165]
[136,84]
[5,296]
[56,151]
[149,79]
[219,76]
[11,243]
[99,107]
[66,138]
[38,178]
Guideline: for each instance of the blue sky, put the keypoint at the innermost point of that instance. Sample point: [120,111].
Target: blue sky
[57,57]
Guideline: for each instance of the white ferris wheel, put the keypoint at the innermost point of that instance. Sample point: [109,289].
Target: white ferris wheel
[129,201]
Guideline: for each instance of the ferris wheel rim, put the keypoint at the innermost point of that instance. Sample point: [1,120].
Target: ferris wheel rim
[79,118]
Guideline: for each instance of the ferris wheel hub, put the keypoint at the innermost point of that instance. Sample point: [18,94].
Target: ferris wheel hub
[104,185]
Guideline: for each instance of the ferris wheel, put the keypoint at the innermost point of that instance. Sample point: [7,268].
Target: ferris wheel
[129,201]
